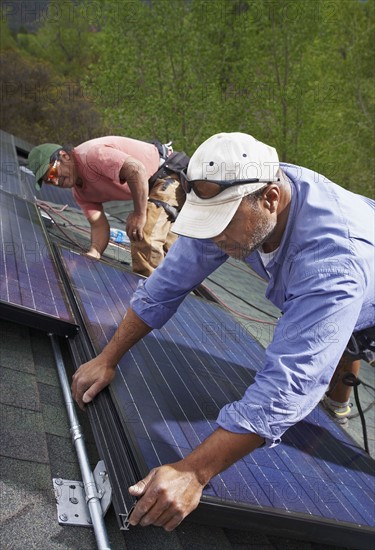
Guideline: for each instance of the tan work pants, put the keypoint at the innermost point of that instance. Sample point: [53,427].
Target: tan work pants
[158,237]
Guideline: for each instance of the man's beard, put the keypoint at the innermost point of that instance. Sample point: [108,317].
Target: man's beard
[260,235]
[262,232]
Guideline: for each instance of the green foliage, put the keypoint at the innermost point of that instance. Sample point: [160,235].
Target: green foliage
[40,75]
[338,136]
[40,106]
[296,74]
[6,39]
[64,38]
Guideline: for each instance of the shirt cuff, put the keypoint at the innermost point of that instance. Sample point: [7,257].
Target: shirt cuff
[242,418]
[154,314]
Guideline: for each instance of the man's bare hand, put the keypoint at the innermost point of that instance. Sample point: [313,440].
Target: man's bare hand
[90,379]
[93,376]
[134,226]
[166,496]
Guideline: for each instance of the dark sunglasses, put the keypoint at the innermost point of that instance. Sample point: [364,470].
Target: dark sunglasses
[207,189]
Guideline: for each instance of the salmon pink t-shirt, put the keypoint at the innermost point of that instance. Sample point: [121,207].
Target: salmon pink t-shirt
[99,163]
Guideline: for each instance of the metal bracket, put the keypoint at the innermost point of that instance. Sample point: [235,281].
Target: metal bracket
[72,508]
[103,486]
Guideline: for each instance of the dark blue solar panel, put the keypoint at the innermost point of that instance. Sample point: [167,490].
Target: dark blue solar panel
[170,387]
[29,281]
[10,175]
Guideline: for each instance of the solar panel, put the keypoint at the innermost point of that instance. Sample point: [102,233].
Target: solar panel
[10,178]
[31,289]
[168,390]
[8,152]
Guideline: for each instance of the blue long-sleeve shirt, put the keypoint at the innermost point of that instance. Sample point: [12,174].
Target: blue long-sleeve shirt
[322,278]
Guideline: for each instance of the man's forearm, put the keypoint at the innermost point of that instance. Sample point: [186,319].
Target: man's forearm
[219,451]
[129,332]
[99,239]
[99,234]
[134,173]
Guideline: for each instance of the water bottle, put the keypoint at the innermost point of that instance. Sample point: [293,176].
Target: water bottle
[118,236]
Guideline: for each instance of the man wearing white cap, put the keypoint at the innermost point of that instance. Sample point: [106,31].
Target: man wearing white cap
[314,243]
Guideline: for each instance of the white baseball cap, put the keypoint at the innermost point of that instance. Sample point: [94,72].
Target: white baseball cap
[223,157]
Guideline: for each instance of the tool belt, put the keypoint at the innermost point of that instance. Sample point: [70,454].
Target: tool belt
[170,210]
[175,163]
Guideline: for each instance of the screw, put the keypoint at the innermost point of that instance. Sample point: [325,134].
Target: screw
[73,500]
[102,474]
[63,517]
[59,481]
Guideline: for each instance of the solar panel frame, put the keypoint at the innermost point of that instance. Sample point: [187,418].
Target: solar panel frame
[109,435]
[261,462]
[32,292]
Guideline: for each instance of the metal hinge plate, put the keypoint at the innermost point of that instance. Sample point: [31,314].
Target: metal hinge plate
[72,508]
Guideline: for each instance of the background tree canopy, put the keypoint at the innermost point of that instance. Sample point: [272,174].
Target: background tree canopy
[297,74]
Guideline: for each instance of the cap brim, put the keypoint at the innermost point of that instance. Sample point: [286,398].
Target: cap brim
[207,218]
[204,222]
[39,175]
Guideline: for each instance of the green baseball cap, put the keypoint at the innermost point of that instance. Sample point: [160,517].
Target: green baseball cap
[39,160]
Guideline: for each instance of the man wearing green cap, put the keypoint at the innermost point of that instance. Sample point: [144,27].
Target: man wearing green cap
[117,168]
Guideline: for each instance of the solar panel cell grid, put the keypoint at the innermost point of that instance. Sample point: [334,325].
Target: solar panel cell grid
[170,387]
[29,278]
[10,175]
[7,151]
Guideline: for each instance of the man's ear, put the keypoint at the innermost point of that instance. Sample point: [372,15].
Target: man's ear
[271,197]
[64,155]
